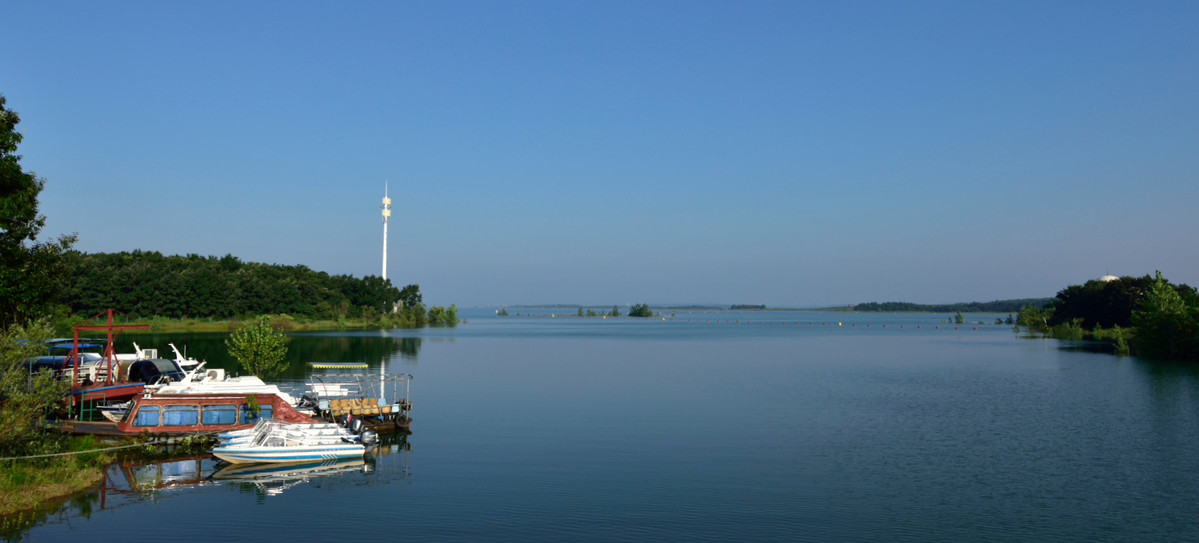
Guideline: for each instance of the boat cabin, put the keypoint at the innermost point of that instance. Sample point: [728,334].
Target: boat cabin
[186,414]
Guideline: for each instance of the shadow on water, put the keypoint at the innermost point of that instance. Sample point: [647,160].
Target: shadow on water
[371,348]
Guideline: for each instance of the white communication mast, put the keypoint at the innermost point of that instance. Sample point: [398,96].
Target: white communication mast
[386,215]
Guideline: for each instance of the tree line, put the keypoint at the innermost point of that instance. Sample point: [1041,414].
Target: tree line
[146,284]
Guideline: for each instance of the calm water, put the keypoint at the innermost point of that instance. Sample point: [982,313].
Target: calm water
[780,427]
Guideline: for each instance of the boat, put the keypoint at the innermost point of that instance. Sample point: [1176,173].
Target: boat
[290,443]
[376,402]
[216,381]
[95,377]
[249,434]
[190,414]
[196,381]
[181,359]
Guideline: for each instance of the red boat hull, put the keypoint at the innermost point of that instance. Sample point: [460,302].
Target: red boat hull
[191,414]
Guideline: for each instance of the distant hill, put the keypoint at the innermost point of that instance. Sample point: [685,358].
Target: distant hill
[997,306]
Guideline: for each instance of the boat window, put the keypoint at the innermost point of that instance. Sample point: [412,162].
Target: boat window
[248,417]
[220,414]
[147,416]
[181,415]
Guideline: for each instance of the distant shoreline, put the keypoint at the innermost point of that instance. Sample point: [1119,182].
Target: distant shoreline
[997,306]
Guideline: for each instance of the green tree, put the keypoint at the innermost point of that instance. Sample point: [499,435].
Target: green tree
[1035,318]
[1101,303]
[31,273]
[641,310]
[25,399]
[1167,323]
[959,318]
[441,316]
[259,348]
[410,296]
[615,311]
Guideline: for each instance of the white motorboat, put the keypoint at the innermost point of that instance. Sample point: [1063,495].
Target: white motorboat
[216,381]
[279,443]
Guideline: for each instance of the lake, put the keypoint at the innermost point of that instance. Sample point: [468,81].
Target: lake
[712,426]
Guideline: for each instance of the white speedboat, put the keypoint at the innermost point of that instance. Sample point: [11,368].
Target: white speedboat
[319,429]
[279,443]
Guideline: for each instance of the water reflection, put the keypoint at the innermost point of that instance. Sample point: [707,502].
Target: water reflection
[272,479]
[388,459]
[132,482]
[372,348]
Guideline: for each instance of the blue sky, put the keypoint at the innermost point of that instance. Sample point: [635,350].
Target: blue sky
[785,153]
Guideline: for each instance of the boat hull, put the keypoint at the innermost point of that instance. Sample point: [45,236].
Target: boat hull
[191,414]
[278,455]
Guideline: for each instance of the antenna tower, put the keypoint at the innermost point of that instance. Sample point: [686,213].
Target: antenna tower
[386,215]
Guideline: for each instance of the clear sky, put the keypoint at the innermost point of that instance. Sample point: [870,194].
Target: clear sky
[788,153]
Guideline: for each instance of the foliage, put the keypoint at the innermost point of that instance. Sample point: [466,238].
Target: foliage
[1122,348]
[641,310]
[410,296]
[997,306]
[31,273]
[144,284]
[502,312]
[1034,318]
[1167,322]
[615,311]
[1101,303]
[959,318]
[259,348]
[25,399]
[440,316]
[1068,330]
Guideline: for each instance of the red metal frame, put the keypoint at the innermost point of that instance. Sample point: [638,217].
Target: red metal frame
[109,350]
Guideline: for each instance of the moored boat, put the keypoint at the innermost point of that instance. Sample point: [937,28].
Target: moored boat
[189,414]
[289,443]
[376,402]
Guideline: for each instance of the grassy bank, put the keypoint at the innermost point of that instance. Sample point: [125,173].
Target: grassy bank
[286,322]
[29,483]
[289,324]
[31,488]
[407,318]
